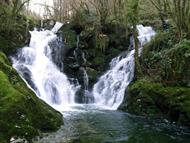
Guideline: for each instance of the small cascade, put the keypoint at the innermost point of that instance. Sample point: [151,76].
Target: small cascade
[85,79]
[78,53]
[84,96]
[83,57]
[36,66]
[87,96]
[41,23]
[77,47]
[78,40]
[110,89]
[57,26]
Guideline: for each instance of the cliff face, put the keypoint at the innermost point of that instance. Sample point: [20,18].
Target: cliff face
[92,52]
[22,114]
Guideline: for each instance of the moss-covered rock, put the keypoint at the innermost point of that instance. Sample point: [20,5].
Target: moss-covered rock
[152,99]
[22,114]
[97,44]
[68,35]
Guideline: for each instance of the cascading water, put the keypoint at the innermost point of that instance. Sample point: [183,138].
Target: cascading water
[39,66]
[110,89]
[35,64]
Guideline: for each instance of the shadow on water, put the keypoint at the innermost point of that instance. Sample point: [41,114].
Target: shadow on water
[87,124]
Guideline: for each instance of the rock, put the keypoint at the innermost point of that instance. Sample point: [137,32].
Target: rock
[77,28]
[48,24]
[74,66]
[96,49]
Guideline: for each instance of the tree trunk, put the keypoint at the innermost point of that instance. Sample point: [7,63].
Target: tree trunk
[138,70]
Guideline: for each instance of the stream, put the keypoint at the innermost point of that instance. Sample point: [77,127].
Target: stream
[89,124]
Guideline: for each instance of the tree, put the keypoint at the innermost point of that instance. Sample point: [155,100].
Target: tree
[62,10]
[132,17]
[13,25]
[18,5]
[162,7]
[178,11]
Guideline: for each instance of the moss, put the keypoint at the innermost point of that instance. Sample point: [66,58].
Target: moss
[4,44]
[98,61]
[22,113]
[145,97]
[113,53]
[69,36]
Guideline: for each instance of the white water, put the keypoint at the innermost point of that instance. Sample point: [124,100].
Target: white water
[110,89]
[57,26]
[35,65]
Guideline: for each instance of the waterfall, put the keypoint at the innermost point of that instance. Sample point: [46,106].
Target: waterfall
[36,66]
[110,89]
[57,26]
[40,65]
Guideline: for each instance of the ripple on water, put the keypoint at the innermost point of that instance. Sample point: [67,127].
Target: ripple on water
[89,124]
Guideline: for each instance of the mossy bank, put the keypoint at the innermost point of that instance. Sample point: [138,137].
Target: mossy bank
[22,114]
[152,99]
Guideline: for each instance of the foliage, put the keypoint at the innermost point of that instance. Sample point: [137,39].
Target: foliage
[178,11]
[13,26]
[162,41]
[166,59]
[82,16]
[175,63]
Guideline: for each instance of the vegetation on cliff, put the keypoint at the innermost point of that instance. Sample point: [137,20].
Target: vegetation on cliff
[14,26]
